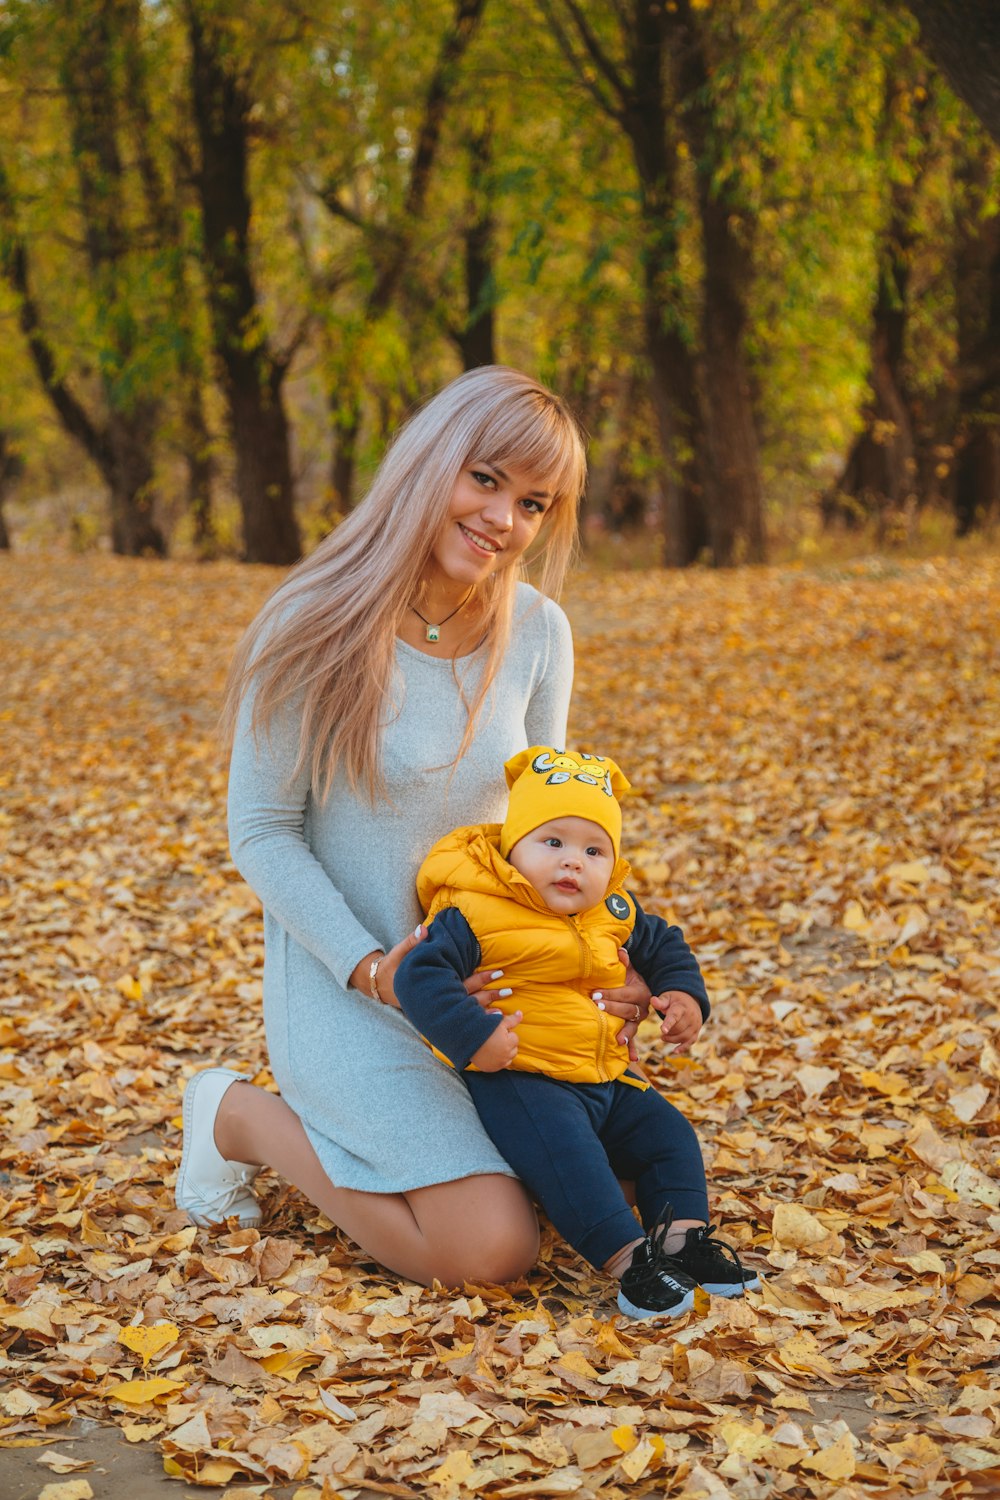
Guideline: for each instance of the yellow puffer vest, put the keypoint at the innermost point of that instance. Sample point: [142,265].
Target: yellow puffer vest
[551,962]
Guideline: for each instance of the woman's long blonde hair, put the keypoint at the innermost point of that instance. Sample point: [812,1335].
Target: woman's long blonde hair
[327,636]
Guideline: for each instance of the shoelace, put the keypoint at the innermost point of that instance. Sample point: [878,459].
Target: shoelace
[706,1238]
[230,1190]
[660,1263]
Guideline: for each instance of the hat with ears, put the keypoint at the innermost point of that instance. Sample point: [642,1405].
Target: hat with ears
[546,783]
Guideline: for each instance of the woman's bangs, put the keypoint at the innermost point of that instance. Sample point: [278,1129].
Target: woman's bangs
[542,442]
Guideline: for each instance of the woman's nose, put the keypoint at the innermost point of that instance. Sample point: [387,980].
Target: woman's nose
[498,509]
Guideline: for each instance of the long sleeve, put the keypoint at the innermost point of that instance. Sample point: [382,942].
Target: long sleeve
[429,987]
[267,822]
[661,955]
[548,709]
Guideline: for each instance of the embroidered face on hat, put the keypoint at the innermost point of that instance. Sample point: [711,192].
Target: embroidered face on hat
[546,783]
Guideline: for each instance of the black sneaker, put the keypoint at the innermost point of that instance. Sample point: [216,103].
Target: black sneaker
[713,1264]
[654,1286]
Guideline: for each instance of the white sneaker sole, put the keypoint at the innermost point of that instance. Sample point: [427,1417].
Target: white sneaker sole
[644,1315]
[727,1289]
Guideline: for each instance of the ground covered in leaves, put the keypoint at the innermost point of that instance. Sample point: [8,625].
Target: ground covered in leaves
[815,760]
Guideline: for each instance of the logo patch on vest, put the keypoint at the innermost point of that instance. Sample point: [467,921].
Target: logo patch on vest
[618,907]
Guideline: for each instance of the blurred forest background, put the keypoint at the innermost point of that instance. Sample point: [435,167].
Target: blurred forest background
[756,243]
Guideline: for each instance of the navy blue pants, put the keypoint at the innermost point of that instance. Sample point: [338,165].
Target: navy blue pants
[570,1143]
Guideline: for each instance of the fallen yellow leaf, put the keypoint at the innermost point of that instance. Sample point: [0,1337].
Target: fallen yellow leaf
[137,1392]
[836,1462]
[147,1342]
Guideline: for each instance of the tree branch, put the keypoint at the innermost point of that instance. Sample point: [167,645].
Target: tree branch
[597,53]
[604,103]
[14,267]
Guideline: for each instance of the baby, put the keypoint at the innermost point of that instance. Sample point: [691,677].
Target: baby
[542,898]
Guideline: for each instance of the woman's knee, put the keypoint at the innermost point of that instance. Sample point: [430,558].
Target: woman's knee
[503,1251]
[484,1230]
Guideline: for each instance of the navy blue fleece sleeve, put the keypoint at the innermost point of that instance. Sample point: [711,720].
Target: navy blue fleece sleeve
[660,954]
[429,988]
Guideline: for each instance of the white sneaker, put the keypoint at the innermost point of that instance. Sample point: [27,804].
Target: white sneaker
[209,1188]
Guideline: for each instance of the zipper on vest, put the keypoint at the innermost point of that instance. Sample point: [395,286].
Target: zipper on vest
[586,967]
[603,1020]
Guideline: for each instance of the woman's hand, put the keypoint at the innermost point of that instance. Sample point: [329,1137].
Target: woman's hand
[388,963]
[483,988]
[629,1000]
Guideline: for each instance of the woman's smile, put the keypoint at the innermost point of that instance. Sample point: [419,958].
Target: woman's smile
[480,542]
[494,515]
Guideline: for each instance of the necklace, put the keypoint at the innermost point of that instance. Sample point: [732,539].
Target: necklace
[432,633]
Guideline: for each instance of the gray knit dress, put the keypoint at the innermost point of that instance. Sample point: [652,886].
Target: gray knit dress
[336,881]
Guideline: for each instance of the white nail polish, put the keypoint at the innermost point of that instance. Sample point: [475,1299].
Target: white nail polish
[600,1005]
[497,974]
[417,929]
[597,995]
[504,994]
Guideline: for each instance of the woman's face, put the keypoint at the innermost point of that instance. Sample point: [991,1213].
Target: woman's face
[494,515]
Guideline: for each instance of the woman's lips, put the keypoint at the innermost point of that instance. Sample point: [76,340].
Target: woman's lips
[479,541]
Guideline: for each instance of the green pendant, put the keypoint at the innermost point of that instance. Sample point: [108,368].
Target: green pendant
[433,632]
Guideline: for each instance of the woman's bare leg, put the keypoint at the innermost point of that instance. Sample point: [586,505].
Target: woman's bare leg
[474,1229]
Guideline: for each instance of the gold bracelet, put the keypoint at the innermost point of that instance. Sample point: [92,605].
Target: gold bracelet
[373,979]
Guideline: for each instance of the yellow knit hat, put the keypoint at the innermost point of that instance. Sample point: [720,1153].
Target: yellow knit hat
[546,783]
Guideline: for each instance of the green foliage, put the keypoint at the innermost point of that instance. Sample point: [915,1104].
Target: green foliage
[824,118]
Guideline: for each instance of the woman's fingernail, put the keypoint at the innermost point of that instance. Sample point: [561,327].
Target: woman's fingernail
[418,929]
[497,974]
[600,1005]
[597,995]
[504,993]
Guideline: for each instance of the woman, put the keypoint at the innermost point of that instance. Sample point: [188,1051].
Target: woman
[372,705]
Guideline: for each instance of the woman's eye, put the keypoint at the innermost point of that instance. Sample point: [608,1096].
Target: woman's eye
[486,480]
[534,506]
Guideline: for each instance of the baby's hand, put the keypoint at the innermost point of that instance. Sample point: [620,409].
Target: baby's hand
[500,1049]
[682,1018]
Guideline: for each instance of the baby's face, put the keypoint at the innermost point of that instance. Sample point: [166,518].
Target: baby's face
[568,861]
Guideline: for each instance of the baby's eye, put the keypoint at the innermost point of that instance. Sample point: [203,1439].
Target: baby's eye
[554,843]
[597,853]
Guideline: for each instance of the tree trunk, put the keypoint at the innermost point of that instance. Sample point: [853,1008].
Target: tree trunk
[737,514]
[879,477]
[346,431]
[976,438]
[674,386]
[164,206]
[126,454]
[736,517]
[962,37]
[253,377]
[201,475]
[476,340]
[602,474]
[11,466]
[130,480]
[673,393]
